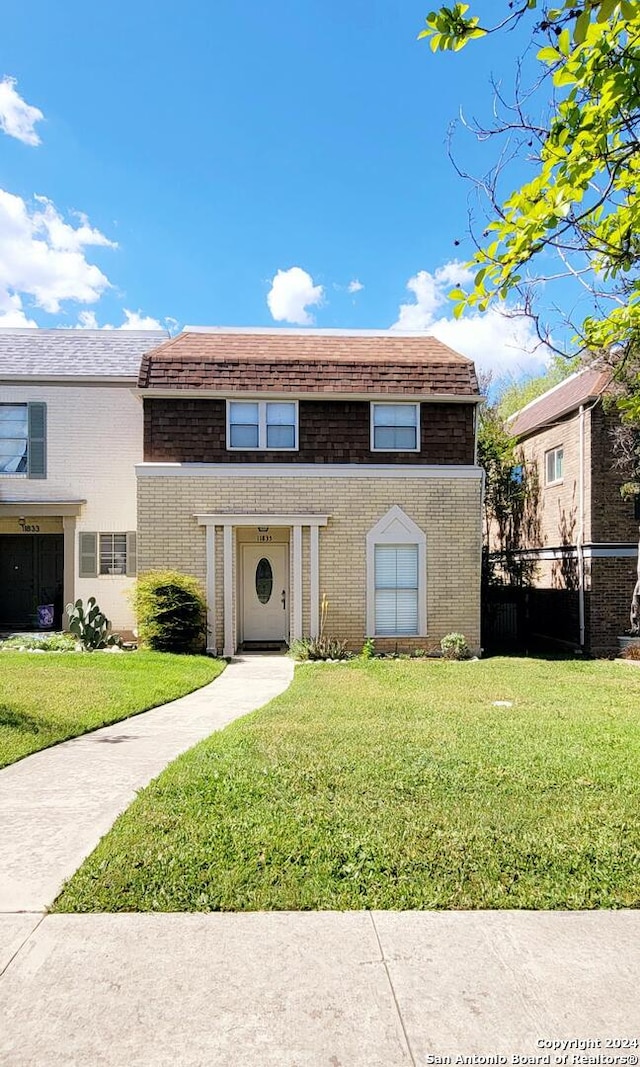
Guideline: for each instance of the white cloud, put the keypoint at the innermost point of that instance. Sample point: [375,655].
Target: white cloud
[11,311]
[133,320]
[355,286]
[497,340]
[292,292]
[17,118]
[42,257]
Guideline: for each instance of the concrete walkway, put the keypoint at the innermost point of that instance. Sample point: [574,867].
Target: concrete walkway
[57,804]
[356,989]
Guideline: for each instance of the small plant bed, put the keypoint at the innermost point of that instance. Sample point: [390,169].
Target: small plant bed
[49,698]
[502,783]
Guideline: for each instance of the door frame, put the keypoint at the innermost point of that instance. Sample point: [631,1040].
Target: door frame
[242,577]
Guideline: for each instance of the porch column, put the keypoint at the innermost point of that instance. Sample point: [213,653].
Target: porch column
[69,565]
[211,588]
[314,580]
[296,631]
[229,643]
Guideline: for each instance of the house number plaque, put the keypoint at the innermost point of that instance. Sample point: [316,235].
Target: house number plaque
[28,526]
[263,536]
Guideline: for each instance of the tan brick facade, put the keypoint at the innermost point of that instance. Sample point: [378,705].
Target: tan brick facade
[446,508]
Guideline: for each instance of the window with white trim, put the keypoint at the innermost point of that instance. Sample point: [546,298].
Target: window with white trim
[106,554]
[395,427]
[396,589]
[113,553]
[262,425]
[396,577]
[553,465]
[23,439]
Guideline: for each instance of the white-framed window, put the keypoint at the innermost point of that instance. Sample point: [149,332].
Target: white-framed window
[396,577]
[23,440]
[262,424]
[395,427]
[113,553]
[396,589]
[553,465]
[107,554]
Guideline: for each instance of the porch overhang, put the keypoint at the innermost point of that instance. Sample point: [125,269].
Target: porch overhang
[229,521]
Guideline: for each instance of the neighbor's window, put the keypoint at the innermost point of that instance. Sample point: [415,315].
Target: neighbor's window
[113,553]
[106,553]
[553,465]
[262,424]
[396,589]
[395,427]
[14,438]
[23,439]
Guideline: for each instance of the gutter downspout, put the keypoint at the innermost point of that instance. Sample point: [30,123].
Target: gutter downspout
[581,523]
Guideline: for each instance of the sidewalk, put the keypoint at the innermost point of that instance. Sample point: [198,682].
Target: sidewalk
[317,989]
[56,804]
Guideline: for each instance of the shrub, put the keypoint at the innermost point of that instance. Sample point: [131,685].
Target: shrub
[368,648]
[40,643]
[315,648]
[91,626]
[454,646]
[171,612]
[631,652]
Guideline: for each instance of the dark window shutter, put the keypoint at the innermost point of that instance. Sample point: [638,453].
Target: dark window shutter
[37,449]
[88,555]
[132,563]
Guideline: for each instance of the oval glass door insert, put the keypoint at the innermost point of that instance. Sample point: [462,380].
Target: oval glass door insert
[264,581]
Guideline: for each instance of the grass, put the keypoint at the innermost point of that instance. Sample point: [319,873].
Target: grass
[394,785]
[49,697]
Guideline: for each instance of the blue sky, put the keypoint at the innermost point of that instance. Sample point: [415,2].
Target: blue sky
[189,155]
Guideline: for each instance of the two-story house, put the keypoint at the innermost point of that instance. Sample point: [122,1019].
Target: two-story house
[586,536]
[282,468]
[70,436]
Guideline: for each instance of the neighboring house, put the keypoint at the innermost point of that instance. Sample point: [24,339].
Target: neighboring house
[583,537]
[283,467]
[70,436]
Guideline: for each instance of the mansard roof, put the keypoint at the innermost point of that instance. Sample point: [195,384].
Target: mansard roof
[219,360]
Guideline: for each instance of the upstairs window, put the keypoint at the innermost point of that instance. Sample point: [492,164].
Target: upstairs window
[23,439]
[395,428]
[553,466]
[262,425]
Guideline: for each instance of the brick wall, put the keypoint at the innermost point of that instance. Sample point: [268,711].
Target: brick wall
[612,517]
[330,431]
[447,509]
[612,584]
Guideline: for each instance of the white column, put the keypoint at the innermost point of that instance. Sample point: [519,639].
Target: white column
[296,631]
[211,589]
[69,565]
[314,583]
[229,643]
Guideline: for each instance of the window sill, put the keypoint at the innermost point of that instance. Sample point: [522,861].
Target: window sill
[554,485]
[399,637]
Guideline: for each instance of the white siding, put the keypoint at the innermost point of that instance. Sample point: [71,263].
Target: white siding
[94,439]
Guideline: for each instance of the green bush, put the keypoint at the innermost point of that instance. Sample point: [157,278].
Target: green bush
[46,642]
[171,612]
[454,646]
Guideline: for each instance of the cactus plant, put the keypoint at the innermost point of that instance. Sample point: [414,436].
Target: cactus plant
[91,626]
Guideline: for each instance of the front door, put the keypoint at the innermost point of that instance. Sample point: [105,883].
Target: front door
[31,573]
[265,592]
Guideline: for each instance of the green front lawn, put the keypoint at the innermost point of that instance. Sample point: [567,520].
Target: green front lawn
[47,697]
[395,785]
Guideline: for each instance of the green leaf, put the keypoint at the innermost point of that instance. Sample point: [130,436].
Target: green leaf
[582,25]
[548,55]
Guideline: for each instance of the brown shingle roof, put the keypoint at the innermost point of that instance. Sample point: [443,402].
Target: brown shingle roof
[288,361]
[579,389]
